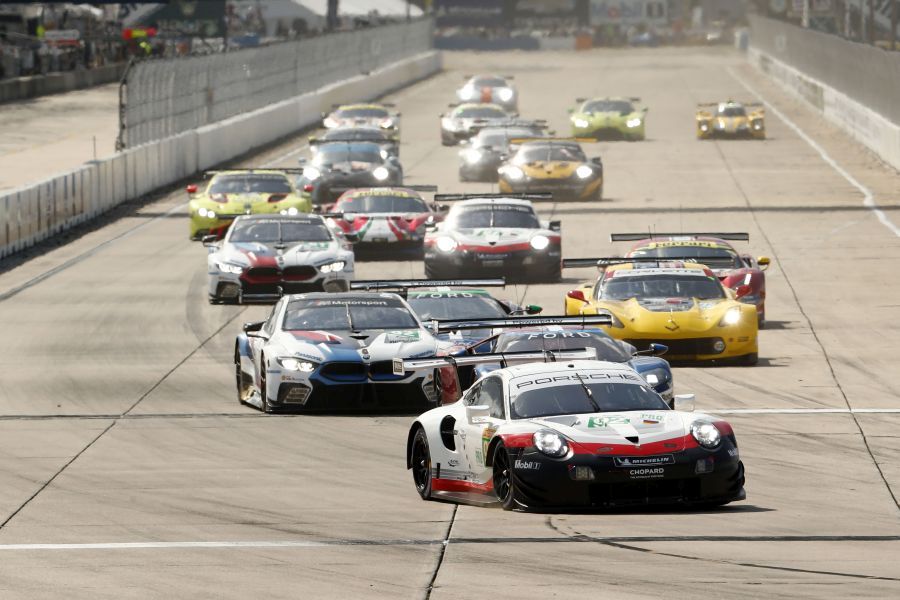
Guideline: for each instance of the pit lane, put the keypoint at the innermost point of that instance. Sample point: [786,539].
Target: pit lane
[128,469]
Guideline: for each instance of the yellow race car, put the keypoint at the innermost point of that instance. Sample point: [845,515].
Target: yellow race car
[551,165]
[680,304]
[731,120]
[230,194]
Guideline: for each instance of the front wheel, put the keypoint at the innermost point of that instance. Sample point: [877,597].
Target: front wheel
[420,460]
[263,394]
[244,383]
[504,480]
[748,360]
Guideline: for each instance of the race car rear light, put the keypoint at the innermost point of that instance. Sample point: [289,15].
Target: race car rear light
[277,197]
[220,198]
[307,188]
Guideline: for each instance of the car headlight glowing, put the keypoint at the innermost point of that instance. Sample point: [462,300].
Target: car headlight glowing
[290,211]
[539,242]
[203,212]
[329,123]
[757,124]
[312,173]
[472,156]
[333,267]
[513,172]
[505,94]
[446,244]
[380,173]
[387,123]
[295,364]
[580,123]
[706,434]
[704,127]
[584,171]
[230,268]
[550,443]
[467,92]
[633,122]
[732,317]
[210,214]
[448,124]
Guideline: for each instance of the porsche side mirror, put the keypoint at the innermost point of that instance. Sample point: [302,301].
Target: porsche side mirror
[576,295]
[742,290]
[191,189]
[477,413]
[253,326]
[657,349]
[556,226]
[763,262]
[684,402]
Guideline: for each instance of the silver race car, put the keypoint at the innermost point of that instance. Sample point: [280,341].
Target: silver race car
[490,88]
[465,120]
[263,256]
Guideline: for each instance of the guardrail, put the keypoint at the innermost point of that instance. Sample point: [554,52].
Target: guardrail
[34,213]
[165,97]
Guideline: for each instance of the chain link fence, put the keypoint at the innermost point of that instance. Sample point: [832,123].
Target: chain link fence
[867,74]
[161,98]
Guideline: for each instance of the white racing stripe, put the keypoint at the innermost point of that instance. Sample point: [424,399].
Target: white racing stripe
[868,196]
[800,411]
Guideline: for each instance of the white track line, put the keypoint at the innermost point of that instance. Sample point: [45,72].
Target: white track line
[868,196]
[800,411]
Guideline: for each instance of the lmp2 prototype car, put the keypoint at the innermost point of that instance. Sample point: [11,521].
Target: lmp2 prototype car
[465,120]
[570,433]
[680,304]
[488,148]
[333,352]
[490,89]
[493,234]
[264,256]
[384,219]
[242,192]
[363,115]
[609,119]
[337,166]
[555,166]
[742,273]
[731,120]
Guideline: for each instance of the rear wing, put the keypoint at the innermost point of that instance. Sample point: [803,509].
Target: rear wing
[603,262]
[649,235]
[402,366]
[384,104]
[314,141]
[517,323]
[551,140]
[410,284]
[340,189]
[531,196]
[250,170]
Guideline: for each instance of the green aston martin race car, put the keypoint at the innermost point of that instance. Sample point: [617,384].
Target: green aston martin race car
[608,119]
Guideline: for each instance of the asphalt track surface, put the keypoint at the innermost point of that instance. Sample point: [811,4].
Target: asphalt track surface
[129,470]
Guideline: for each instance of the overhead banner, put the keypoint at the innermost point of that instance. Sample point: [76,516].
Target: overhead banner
[470,13]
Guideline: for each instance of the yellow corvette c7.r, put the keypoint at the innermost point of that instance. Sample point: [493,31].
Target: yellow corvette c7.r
[230,194]
[731,120]
[555,166]
[681,305]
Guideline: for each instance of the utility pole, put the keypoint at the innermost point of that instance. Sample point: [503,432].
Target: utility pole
[804,19]
[893,25]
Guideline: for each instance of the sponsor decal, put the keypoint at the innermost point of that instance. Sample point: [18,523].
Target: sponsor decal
[582,376]
[528,465]
[652,418]
[401,337]
[486,435]
[349,302]
[644,461]
[552,335]
[733,452]
[453,462]
[647,473]
[479,457]
[601,422]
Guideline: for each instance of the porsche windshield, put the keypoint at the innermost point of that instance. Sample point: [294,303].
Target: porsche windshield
[347,315]
[250,184]
[382,203]
[499,138]
[480,82]
[277,230]
[336,153]
[456,305]
[617,106]
[661,286]
[480,112]
[717,258]
[349,135]
[549,152]
[362,113]
[732,111]
[520,341]
[490,215]
[573,398]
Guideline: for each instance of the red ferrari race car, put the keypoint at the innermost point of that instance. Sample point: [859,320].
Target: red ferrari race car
[740,272]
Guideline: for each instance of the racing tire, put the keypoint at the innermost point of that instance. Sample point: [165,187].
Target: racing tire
[504,480]
[244,384]
[263,394]
[432,272]
[598,195]
[748,360]
[553,274]
[420,459]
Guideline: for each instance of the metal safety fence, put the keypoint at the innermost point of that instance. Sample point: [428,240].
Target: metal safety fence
[866,74]
[162,98]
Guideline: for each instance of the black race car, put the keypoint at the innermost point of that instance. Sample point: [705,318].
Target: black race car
[336,166]
[488,148]
[386,139]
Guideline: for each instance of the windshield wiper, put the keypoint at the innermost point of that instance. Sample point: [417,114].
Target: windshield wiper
[588,393]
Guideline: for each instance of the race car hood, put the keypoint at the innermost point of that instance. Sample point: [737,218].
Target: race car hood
[383,225]
[255,254]
[730,123]
[241,203]
[609,117]
[597,431]
[364,346]
[465,124]
[350,167]
[550,169]
[678,315]
[497,237]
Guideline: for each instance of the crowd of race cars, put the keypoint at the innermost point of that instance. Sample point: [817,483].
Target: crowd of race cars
[577,409]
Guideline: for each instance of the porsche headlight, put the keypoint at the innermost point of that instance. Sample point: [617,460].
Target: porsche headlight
[472,155]
[513,172]
[550,443]
[580,123]
[312,173]
[732,317]
[467,92]
[584,172]
[380,173]
[706,434]
[333,267]
[230,268]
[446,244]
[633,122]
[296,364]
[505,94]
[539,242]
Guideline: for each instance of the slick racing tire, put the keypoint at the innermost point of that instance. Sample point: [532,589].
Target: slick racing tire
[598,195]
[748,360]
[432,272]
[420,459]
[505,480]
[244,384]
